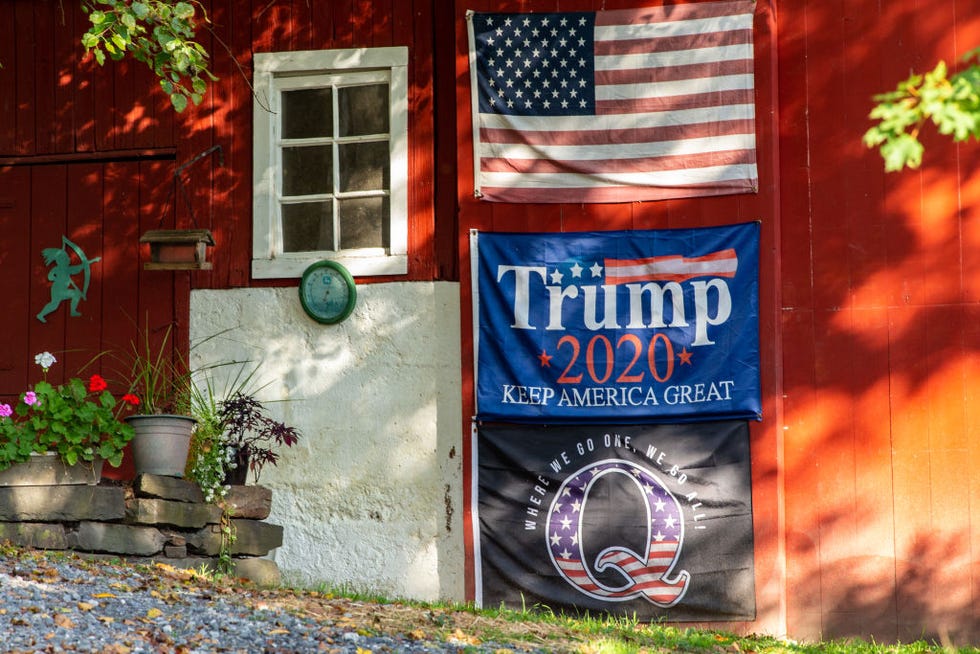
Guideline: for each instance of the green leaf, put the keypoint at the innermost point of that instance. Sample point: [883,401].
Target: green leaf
[184,10]
[178,101]
[905,150]
[140,10]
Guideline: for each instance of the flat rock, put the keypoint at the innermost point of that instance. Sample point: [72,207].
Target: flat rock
[34,534]
[62,503]
[168,512]
[117,539]
[167,488]
[252,538]
[253,502]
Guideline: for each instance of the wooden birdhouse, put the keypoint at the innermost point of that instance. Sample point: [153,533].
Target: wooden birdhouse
[178,249]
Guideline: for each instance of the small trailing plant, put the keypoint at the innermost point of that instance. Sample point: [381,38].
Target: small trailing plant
[78,420]
[252,435]
[210,456]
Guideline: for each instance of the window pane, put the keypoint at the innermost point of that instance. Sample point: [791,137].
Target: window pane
[307,113]
[364,166]
[363,109]
[307,226]
[307,170]
[363,222]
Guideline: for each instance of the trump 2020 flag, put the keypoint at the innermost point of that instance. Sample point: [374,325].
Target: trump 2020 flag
[613,106]
[638,326]
[647,521]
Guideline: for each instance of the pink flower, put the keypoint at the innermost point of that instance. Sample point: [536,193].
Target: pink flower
[96,384]
[5,410]
[30,398]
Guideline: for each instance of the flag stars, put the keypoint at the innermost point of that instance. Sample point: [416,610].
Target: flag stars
[555,539]
[685,357]
[576,270]
[566,523]
[596,270]
[565,554]
[670,522]
[576,506]
[545,359]
[556,277]
[660,504]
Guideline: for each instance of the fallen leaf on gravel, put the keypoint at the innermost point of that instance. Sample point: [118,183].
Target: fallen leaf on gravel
[417,634]
[85,606]
[116,648]
[106,619]
[154,613]
[103,595]
[63,621]
[278,632]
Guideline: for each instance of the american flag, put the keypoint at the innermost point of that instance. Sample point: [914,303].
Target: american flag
[614,106]
[644,573]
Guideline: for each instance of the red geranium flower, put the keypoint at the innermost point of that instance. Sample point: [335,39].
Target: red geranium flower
[96,384]
[131,399]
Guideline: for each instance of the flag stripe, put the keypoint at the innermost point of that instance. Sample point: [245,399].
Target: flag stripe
[726,102]
[680,19]
[589,194]
[616,151]
[723,263]
[669,43]
[616,136]
[645,165]
[683,71]
[649,100]
[573,124]
[662,59]
[735,173]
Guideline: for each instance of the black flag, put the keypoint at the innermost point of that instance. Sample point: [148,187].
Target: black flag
[653,521]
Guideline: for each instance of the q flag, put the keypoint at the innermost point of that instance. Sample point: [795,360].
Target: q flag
[628,327]
[653,521]
[614,106]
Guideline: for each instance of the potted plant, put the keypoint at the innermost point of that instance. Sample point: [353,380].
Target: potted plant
[163,425]
[210,456]
[252,436]
[75,424]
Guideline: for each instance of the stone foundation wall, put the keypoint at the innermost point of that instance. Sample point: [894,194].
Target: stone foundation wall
[155,519]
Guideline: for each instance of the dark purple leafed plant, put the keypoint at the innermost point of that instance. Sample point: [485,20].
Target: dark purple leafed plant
[252,434]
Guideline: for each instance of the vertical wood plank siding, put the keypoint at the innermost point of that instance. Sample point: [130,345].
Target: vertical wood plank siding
[880,343]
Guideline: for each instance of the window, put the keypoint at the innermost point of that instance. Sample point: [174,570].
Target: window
[331,164]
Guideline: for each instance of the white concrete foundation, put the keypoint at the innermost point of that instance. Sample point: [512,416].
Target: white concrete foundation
[371,496]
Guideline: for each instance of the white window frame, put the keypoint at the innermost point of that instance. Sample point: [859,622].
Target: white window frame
[277,71]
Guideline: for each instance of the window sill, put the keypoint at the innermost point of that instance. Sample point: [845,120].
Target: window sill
[293,267]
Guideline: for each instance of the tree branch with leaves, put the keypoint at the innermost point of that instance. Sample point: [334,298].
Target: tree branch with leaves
[158,33]
[950,102]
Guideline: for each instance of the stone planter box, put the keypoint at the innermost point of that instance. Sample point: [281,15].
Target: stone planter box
[48,469]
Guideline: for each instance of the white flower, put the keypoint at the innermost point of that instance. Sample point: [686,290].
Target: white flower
[45,360]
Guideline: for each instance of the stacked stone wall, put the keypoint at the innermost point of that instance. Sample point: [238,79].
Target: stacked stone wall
[155,518]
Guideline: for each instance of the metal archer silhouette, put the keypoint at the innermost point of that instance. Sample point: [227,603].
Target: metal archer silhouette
[63,287]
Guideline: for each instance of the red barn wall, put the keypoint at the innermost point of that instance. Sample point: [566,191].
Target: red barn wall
[879,287]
